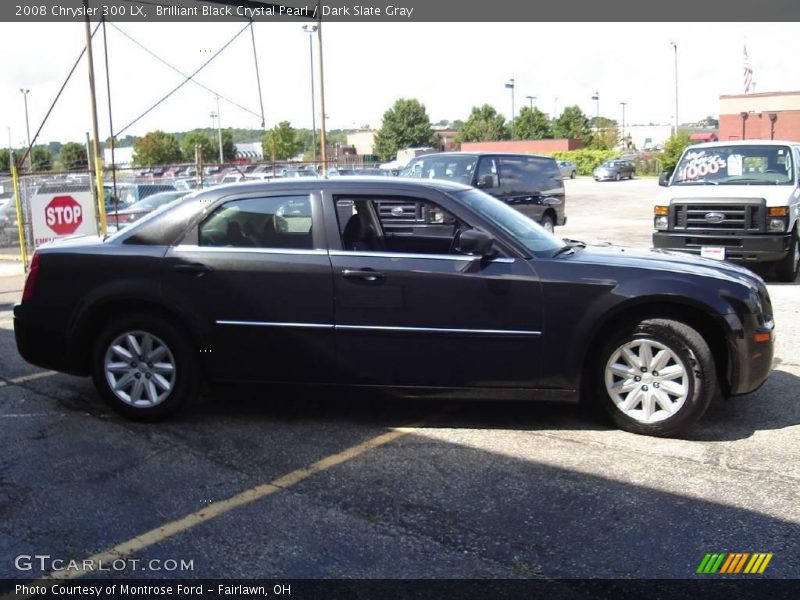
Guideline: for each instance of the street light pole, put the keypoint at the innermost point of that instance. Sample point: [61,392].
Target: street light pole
[25,93]
[310,30]
[675,47]
[531,99]
[596,98]
[322,134]
[510,85]
[219,132]
[623,123]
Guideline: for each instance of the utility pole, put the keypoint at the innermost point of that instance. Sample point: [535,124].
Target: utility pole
[510,85]
[322,136]
[677,122]
[310,30]
[219,132]
[25,93]
[95,132]
[623,124]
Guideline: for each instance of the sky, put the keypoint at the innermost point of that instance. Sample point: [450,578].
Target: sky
[449,67]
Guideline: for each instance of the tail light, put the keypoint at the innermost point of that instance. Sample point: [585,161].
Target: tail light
[30,281]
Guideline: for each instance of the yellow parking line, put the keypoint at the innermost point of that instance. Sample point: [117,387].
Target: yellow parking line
[216,509]
[30,377]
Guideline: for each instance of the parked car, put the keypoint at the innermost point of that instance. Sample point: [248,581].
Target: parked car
[532,184]
[9,232]
[569,170]
[122,218]
[130,193]
[297,281]
[736,201]
[614,169]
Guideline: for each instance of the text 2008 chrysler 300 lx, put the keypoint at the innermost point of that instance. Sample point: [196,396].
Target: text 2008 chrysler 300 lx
[299,282]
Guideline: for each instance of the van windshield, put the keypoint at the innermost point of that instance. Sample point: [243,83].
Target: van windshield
[453,168]
[736,165]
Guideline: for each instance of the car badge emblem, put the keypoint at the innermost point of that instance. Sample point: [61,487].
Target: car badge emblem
[397,211]
[715,217]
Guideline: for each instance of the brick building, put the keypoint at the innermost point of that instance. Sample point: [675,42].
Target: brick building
[524,146]
[762,116]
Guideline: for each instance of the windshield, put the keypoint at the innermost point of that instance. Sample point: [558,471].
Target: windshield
[453,168]
[512,222]
[735,165]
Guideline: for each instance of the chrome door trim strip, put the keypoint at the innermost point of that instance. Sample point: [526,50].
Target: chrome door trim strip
[247,250]
[390,328]
[270,324]
[457,258]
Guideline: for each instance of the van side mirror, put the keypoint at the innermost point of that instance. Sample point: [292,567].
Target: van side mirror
[476,243]
[663,179]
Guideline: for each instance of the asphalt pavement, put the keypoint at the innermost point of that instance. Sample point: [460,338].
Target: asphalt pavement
[283,484]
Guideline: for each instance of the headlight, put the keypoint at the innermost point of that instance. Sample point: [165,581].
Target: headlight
[776,225]
[662,222]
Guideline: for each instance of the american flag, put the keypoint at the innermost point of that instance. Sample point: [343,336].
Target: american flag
[748,72]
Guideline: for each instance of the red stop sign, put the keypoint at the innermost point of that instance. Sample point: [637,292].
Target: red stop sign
[63,215]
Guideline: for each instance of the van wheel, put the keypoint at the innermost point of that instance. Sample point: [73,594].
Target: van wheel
[789,265]
[548,224]
[656,377]
[572,175]
[144,367]
[617,177]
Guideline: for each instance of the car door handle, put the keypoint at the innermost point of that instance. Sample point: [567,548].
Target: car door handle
[192,268]
[366,274]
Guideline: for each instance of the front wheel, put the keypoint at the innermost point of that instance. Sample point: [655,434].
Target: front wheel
[617,177]
[144,367]
[573,175]
[548,224]
[789,265]
[656,377]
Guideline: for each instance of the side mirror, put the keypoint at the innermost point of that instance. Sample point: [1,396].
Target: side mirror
[663,179]
[476,243]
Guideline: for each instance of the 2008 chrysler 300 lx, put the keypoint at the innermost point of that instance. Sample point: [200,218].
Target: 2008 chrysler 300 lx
[301,282]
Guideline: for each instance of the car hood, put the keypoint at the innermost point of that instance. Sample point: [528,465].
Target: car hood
[663,260]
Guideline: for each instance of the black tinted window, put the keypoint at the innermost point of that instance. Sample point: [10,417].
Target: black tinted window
[279,222]
[527,173]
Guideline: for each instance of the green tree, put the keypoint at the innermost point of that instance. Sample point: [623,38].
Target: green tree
[282,141]
[572,125]
[73,157]
[156,148]
[673,149]
[605,135]
[5,165]
[483,125]
[202,139]
[41,158]
[532,124]
[228,147]
[405,125]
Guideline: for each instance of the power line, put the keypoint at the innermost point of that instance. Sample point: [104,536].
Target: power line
[181,73]
[185,81]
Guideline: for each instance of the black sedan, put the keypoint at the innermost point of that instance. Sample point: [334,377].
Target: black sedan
[299,282]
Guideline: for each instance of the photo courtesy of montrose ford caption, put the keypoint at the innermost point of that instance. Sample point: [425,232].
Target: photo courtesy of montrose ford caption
[300,282]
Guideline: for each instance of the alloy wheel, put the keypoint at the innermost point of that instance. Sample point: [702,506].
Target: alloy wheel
[647,381]
[140,369]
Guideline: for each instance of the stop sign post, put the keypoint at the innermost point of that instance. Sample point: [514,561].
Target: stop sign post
[63,214]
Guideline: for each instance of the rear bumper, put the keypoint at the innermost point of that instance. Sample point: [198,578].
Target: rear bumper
[746,248]
[42,347]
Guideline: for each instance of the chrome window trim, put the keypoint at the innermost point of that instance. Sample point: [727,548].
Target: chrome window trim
[248,250]
[392,328]
[459,258]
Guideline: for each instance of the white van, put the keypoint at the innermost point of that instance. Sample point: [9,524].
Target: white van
[737,201]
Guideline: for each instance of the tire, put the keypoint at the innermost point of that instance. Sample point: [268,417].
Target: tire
[631,175]
[686,383]
[617,177]
[788,267]
[548,223]
[573,175]
[174,378]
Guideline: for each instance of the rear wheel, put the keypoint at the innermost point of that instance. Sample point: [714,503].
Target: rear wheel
[789,265]
[617,177]
[572,175]
[656,377]
[144,367]
[548,223]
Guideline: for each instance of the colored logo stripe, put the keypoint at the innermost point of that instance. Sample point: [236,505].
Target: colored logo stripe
[733,562]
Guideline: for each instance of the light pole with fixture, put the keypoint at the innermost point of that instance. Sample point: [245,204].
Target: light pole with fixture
[623,104]
[596,99]
[25,93]
[675,48]
[531,99]
[311,30]
[219,132]
[510,85]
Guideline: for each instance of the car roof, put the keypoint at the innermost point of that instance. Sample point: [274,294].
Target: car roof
[745,143]
[354,182]
[479,153]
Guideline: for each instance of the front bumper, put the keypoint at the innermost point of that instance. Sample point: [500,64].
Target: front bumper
[751,360]
[745,248]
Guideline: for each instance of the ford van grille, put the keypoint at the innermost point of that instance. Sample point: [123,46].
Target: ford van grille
[702,215]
